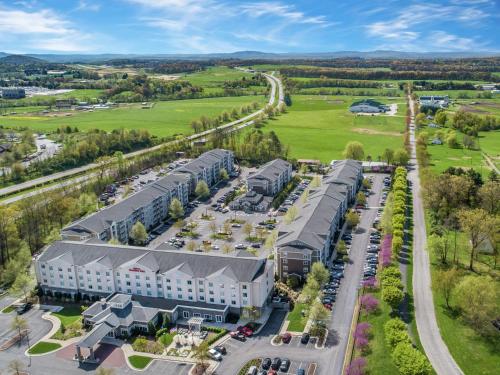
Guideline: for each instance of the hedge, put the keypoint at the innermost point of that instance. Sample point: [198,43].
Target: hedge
[220,332]
[254,362]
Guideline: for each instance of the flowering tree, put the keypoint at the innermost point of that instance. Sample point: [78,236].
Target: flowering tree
[361,335]
[357,366]
[371,282]
[369,303]
[386,250]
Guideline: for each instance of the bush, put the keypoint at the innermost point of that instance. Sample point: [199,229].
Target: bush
[391,272]
[397,244]
[254,362]
[141,344]
[393,296]
[220,332]
[410,361]
[162,331]
[391,281]
[395,332]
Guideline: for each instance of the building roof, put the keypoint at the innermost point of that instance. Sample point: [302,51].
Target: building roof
[96,334]
[370,102]
[271,170]
[344,172]
[204,161]
[198,265]
[101,221]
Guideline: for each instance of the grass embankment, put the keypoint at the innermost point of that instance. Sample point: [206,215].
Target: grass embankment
[43,347]
[473,353]
[163,119]
[297,321]
[139,361]
[68,315]
[319,127]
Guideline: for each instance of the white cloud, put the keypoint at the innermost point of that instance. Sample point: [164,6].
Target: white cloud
[43,30]
[287,12]
[88,6]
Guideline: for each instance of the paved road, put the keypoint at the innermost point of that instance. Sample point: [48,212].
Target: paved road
[242,122]
[428,330]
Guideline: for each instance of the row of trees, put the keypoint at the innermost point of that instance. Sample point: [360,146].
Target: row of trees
[205,123]
[355,150]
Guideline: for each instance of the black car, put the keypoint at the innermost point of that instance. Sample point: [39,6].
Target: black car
[285,365]
[21,309]
[266,363]
[221,349]
[276,363]
[305,338]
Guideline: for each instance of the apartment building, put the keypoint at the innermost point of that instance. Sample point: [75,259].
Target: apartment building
[271,178]
[311,236]
[207,167]
[150,206]
[183,284]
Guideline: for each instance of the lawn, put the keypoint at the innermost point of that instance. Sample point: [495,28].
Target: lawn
[297,321]
[68,315]
[44,347]
[215,76]
[8,309]
[139,361]
[472,352]
[164,119]
[319,127]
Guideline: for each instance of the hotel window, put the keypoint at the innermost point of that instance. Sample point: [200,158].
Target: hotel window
[69,269]
[138,285]
[179,296]
[200,282]
[202,290]
[88,272]
[210,285]
[51,268]
[82,285]
[119,281]
[129,291]
[160,293]
[138,291]
[306,269]
[233,302]
[109,289]
[169,295]
[222,300]
[118,274]
[190,290]
[70,277]
[158,286]
[306,262]
[190,298]
[127,276]
[179,289]
[211,292]
[59,269]
[244,287]
[45,281]
[90,287]
[61,276]
[62,283]
[128,283]
[211,300]
[99,287]
[107,274]
[89,279]
[285,261]
[149,293]
[168,280]
[147,277]
[148,285]
[189,282]
[245,295]
[137,277]
[43,265]
[285,268]
[98,279]
[97,273]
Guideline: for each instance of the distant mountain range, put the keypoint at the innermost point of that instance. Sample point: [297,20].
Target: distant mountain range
[249,55]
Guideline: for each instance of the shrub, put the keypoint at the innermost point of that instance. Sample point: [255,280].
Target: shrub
[391,272]
[392,281]
[141,344]
[396,332]
[397,244]
[393,296]
[410,361]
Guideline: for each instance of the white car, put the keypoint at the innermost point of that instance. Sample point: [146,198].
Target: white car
[215,355]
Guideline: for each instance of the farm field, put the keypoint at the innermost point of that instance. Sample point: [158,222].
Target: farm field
[84,94]
[215,76]
[454,94]
[164,119]
[319,127]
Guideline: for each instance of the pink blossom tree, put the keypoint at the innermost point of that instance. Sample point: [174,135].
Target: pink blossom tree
[357,366]
[386,251]
[369,303]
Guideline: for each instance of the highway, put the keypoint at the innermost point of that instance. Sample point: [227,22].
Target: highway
[242,122]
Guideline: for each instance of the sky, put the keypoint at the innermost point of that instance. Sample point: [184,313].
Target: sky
[207,26]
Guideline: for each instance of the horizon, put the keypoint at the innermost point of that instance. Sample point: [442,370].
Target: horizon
[179,27]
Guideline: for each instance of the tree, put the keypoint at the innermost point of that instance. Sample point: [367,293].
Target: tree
[477,298]
[223,175]
[352,218]
[420,119]
[176,210]
[318,313]
[388,155]
[316,181]
[361,198]
[446,282]
[200,353]
[191,246]
[304,196]
[251,312]
[354,150]
[202,191]
[489,196]
[393,296]
[138,233]
[291,214]
[227,248]
[19,324]
[401,157]
[439,246]
[319,273]
[310,290]
[213,227]
[17,367]
[479,226]
[441,117]
[114,241]
[179,223]
[271,240]
[87,202]
[247,229]
[23,284]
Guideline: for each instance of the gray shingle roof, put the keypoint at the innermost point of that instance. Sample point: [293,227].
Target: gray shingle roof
[204,161]
[312,225]
[98,332]
[344,172]
[271,170]
[100,221]
[200,265]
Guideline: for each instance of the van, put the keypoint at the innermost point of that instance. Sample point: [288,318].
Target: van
[252,370]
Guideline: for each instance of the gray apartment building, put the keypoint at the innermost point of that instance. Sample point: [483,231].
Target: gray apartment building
[150,206]
[183,284]
[310,237]
[271,178]
[207,167]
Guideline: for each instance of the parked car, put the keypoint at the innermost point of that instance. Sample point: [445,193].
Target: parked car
[221,349]
[266,363]
[25,307]
[304,339]
[301,371]
[276,363]
[237,336]
[215,355]
[285,365]
[286,337]
[252,370]
[245,330]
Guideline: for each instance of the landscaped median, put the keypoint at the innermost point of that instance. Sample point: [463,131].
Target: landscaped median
[8,309]
[253,362]
[139,361]
[43,347]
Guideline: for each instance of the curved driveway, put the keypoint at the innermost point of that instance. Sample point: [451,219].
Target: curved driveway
[428,330]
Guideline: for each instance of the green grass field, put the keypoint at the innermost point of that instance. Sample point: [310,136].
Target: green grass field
[68,315]
[80,95]
[164,119]
[215,76]
[139,361]
[319,127]
[43,347]
[297,321]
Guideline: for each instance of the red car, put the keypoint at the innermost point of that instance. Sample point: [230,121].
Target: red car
[245,330]
[237,336]
[286,337]
[271,372]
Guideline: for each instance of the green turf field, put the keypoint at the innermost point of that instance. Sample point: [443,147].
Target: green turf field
[165,118]
[319,127]
[84,94]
